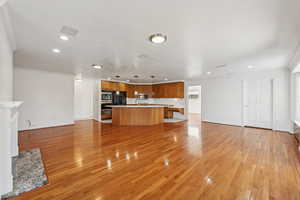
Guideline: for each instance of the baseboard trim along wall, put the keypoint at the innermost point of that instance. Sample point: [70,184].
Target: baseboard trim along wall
[84,118]
[48,126]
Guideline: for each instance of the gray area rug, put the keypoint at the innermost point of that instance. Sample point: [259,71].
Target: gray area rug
[28,172]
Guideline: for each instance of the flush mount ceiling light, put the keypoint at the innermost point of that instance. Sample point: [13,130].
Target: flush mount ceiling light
[95,66]
[56,50]
[158,38]
[250,67]
[166,79]
[208,73]
[64,37]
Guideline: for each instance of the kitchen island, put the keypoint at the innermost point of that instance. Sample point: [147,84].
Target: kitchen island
[137,115]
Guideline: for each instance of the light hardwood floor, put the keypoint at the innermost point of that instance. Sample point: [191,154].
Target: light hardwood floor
[186,160]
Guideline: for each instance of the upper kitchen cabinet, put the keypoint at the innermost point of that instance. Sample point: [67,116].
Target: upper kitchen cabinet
[113,86]
[123,87]
[169,90]
[180,90]
[143,89]
[163,90]
[158,91]
[130,91]
[106,85]
[174,90]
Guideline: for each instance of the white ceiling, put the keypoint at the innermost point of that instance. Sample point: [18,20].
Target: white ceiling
[202,34]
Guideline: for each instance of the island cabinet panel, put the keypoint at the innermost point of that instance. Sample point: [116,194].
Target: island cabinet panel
[138,116]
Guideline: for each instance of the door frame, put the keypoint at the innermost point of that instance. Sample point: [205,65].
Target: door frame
[200,98]
[273,102]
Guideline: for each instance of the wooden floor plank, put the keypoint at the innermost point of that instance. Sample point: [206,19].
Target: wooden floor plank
[186,160]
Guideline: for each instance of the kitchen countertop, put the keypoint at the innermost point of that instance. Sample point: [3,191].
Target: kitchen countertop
[136,106]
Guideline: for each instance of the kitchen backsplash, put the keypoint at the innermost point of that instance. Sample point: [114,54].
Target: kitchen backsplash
[178,103]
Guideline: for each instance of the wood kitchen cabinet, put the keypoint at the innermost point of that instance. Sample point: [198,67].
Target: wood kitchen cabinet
[159,91]
[123,87]
[130,91]
[143,89]
[108,85]
[113,86]
[169,112]
[174,90]
[105,85]
[169,90]
[163,90]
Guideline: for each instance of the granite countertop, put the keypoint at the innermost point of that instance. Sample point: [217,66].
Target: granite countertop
[136,106]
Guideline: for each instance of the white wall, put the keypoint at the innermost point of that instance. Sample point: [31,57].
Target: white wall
[222,97]
[221,101]
[84,99]
[48,98]
[195,104]
[6,60]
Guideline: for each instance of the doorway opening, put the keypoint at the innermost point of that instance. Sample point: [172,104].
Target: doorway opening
[194,98]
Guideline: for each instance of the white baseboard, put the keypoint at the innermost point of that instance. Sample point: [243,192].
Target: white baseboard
[285,129]
[83,118]
[224,123]
[48,125]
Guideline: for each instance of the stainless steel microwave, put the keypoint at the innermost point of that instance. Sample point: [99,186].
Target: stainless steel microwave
[106,96]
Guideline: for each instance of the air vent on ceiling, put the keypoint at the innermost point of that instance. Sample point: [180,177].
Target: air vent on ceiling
[221,66]
[66,30]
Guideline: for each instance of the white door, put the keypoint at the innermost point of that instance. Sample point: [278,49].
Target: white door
[258,103]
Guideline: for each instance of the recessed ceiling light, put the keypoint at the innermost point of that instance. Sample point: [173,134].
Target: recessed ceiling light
[127,80]
[108,78]
[64,37]
[56,50]
[208,73]
[250,66]
[95,66]
[166,79]
[158,38]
